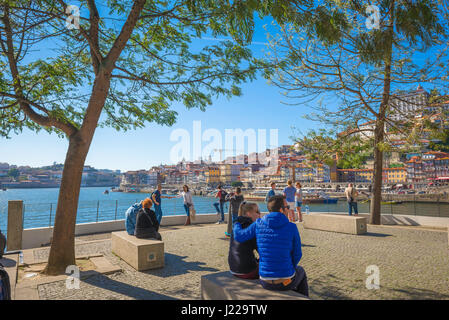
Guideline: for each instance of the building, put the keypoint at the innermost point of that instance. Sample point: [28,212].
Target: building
[407,105]
[355,175]
[212,175]
[394,175]
[427,168]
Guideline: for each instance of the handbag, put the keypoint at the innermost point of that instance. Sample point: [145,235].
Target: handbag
[192,213]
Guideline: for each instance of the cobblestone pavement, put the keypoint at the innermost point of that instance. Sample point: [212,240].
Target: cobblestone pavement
[413,264]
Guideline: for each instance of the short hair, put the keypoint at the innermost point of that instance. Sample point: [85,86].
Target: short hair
[272,183]
[147,203]
[238,190]
[219,187]
[289,182]
[275,203]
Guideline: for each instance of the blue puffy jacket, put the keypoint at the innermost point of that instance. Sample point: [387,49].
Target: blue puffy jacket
[130,221]
[278,243]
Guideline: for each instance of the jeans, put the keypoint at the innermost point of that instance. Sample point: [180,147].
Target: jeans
[352,205]
[158,211]
[298,284]
[219,210]
[187,209]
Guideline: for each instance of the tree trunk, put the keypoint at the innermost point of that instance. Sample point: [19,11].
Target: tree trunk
[379,131]
[375,209]
[62,252]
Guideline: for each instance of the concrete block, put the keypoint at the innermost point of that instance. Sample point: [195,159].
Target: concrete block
[15,225]
[225,286]
[335,223]
[141,254]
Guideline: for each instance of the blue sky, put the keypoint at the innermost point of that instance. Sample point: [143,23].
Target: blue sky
[259,107]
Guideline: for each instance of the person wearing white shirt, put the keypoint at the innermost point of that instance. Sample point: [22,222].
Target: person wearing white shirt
[188,202]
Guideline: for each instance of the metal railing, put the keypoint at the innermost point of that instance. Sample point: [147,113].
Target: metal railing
[37,215]
[43,214]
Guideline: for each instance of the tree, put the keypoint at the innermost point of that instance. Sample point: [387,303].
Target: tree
[14,173]
[123,69]
[237,184]
[360,73]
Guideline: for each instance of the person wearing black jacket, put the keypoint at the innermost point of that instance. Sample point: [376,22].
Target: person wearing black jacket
[147,225]
[242,261]
[235,199]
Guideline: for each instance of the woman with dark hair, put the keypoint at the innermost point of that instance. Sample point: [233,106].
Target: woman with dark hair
[147,225]
[242,261]
[235,199]
[188,202]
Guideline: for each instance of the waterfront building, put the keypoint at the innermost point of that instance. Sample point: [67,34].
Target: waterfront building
[212,175]
[427,168]
[407,105]
[394,175]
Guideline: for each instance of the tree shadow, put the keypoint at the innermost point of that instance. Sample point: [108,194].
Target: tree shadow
[8,263]
[326,287]
[176,265]
[377,235]
[307,245]
[419,294]
[101,281]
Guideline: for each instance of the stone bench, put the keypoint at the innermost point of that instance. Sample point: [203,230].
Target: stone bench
[141,254]
[225,286]
[335,223]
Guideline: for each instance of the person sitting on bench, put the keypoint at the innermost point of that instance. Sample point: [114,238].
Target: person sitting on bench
[242,262]
[147,225]
[279,247]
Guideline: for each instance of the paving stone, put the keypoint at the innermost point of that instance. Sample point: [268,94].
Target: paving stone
[413,264]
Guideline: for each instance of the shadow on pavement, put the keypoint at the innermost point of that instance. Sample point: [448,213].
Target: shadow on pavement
[419,294]
[106,283]
[8,263]
[176,265]
[374,234]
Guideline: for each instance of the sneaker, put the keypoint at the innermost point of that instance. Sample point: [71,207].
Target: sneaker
[219,222]
[227,234]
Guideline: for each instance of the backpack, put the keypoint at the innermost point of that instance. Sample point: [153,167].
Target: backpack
[2,244]
[131,214]
[223,196]
[5,286]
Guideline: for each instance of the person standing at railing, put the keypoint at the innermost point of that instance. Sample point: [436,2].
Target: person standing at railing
[235,199]
[289,193]
[298,200]
[351,196]
[157,196]
[188,202]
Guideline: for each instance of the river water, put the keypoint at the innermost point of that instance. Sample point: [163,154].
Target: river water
[40,206]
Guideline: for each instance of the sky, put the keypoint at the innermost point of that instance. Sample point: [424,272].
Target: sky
[259,107]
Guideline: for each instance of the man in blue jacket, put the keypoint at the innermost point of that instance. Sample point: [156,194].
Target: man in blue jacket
[279,247]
